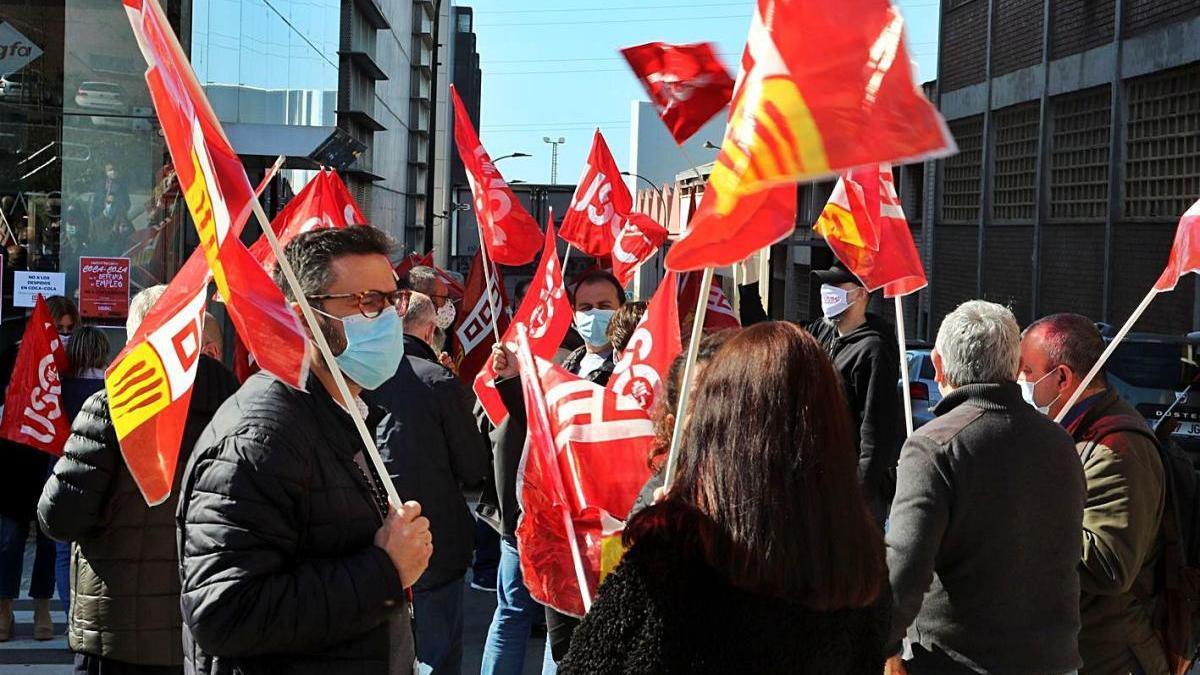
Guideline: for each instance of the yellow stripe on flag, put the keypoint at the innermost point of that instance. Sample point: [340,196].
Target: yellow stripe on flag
[137,389]
[836,222]
[200,204]
[612,549]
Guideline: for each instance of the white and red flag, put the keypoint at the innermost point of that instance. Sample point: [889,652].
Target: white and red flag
[864,224]
[646,360]
[545,315]
[150,382]
[323,203]
[33,409]
[640,237]
[474,330]
[600,206]
[688,84]
[1185,251]
[585,463]
[510,234]
[720,314]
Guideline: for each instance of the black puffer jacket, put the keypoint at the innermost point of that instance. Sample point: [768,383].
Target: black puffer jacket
[124,564]
[276,529]
[665,610]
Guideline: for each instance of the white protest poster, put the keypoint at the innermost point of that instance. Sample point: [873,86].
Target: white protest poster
[28,285]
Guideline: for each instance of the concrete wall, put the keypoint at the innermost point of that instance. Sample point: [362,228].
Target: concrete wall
[654,154]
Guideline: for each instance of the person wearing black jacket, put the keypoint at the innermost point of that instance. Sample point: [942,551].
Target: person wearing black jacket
[595,298]
[292,560]
[863,349]
[435,452]
[124,614]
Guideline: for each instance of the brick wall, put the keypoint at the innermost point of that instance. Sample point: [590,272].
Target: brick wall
[1079,25]
[1008,268]
[1071,273]
[955,265]
[1144,15]
[1139,253]
[1016,35]
[964,43]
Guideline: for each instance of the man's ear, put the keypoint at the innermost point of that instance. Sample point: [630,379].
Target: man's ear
[300,315]
[939,374]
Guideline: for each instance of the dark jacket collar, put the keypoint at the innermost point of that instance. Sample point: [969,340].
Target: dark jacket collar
[415,346]
[1107,407]
[993,396]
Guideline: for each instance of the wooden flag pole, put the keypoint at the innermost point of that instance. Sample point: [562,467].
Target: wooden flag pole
[1108,351]
[903,342]
[487,282]
[323,346]
[689,368]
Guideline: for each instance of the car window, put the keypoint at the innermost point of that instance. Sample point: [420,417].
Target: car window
[926,367]
[1152,365]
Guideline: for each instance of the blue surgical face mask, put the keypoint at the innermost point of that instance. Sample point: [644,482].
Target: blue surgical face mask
[593,326]
[374,347]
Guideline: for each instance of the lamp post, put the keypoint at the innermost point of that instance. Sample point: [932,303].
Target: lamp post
[510,156]
[648,182]
[554,156]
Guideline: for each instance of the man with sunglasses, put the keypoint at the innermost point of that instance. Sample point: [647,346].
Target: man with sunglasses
[424,279]
[292,560]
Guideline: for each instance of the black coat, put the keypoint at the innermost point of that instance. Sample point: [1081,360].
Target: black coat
[434,451]
[23,469]
[124,567]
[276,531]
[868,361]
[666,610]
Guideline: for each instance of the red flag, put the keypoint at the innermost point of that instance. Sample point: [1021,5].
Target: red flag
[600,206]
[511,235]
[1185,252]
[585,463]
[864,224]
[33,410]
[647,358]
[638,239]
[243,362]
[413,260]
[474,331]
[687,83]
[718,316]
[545,314]
[219,196]
[323,203]
[814,97]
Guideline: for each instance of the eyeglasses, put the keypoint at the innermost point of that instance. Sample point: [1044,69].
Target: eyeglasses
[372,303]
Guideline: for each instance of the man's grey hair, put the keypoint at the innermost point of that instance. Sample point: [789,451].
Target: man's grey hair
[1071,340]
[423,279]
[421,313]
[980,343]
[140,306]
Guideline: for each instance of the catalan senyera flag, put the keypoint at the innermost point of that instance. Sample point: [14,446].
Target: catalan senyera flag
[864,224]
[1185,251]
[149,384]
[824,87]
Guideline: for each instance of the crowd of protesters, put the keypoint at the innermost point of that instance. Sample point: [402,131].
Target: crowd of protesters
[801,534]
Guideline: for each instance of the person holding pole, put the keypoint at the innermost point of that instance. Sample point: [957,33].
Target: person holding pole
[863,349]
[1126,496]
[293,558]
[983,544]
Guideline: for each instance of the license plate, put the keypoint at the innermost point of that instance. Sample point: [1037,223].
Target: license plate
[1188,429]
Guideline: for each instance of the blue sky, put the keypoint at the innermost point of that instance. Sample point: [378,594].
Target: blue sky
[551,68]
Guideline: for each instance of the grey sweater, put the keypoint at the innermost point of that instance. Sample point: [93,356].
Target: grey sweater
[984,540]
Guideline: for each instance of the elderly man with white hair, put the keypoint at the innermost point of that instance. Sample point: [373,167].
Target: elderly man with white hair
[983,544]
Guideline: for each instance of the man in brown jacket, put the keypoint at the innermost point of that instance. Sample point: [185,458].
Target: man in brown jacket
[1125,496]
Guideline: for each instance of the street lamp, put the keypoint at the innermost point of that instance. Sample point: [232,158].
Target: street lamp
[648,182]
[554,157]
[709,145]
[515,154]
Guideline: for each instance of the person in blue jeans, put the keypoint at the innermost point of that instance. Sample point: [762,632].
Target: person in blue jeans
[516,614]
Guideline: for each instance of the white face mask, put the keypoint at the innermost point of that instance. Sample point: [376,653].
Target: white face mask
[834,301]
[1029,393]
[445,315]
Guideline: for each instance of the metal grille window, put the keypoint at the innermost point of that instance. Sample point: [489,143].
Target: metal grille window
[1013,195]
[1162,163]
[960,182]
[1079,156]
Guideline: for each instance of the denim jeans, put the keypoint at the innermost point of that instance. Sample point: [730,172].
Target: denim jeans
[13,535]
[516,612]
[487,554]
[439,617]
[62,573]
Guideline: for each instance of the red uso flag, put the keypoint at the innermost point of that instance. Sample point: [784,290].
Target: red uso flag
[720,314]
[585,462]
[545,315]
[476,336]
[647,358]
[687,83]
[33,412]
[510,234]
[323,203]
[864,224]
[600,206]
[638,239]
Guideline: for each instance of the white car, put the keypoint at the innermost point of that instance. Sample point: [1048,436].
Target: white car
[10,86]
[105,96]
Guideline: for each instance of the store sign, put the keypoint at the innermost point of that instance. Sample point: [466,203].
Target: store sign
[103,287]
[16,50]
[28,285]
